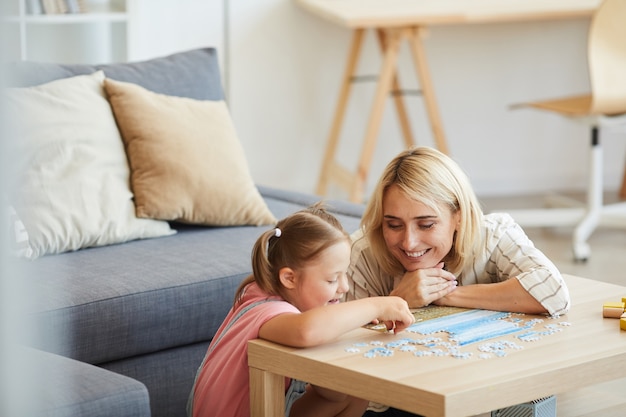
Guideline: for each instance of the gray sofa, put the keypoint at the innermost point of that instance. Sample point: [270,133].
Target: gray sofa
[121,329]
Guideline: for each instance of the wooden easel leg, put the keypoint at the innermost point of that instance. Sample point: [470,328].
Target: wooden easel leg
[328,165]
[405,126]
[383,87]
[423,74]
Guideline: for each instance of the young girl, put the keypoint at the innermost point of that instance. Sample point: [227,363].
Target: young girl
[293,298]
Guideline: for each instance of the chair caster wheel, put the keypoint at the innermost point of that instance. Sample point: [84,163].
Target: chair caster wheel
[581,252]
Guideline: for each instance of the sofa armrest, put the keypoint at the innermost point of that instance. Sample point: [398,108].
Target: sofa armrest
[339,207]
[64,387]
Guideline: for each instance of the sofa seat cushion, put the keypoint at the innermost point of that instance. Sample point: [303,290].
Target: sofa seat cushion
[100,305]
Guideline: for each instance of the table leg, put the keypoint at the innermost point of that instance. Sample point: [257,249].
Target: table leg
[329,166]
[423,74]
[267,394]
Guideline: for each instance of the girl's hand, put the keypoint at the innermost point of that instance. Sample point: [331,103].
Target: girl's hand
[423,286]
[395,313]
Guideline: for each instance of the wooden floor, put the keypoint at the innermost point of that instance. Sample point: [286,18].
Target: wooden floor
[606,263]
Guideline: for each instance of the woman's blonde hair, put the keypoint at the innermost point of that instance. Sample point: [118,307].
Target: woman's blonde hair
[295,241]
[430,177]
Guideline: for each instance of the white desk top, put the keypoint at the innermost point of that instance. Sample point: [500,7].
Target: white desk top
[389,13]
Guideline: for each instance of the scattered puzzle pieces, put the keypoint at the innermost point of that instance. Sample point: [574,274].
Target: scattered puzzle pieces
[464,328]
[379,351]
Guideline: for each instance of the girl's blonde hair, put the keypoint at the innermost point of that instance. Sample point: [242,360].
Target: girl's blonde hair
[430,177]
[296,240]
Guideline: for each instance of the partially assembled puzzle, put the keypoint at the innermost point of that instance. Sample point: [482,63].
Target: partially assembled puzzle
[458,328]
[616,310]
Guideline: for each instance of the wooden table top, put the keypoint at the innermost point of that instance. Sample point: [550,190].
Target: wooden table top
[390,13]
[589,349]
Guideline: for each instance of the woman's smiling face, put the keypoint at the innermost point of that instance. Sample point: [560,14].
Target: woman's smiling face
[415,234]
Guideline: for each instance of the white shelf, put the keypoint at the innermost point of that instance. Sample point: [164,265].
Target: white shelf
[64,19]
[50,36]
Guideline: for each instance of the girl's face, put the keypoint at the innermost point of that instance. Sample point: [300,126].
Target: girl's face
[324,280]
[415,234]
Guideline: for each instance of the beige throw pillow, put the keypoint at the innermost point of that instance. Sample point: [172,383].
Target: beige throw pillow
[185,158]
[68,173]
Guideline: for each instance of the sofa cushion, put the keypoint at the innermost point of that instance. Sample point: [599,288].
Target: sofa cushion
[104,304]
[68,175]
[185,158]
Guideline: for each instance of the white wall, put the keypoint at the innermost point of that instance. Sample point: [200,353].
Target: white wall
[285,69]
[161,27]
[284,66]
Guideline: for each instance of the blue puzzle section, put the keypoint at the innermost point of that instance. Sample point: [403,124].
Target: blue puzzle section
[470,326]
[486,331]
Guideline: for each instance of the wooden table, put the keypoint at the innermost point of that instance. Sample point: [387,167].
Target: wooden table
[394,22]
[589,351]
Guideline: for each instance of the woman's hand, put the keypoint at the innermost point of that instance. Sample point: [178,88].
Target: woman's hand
[423,286]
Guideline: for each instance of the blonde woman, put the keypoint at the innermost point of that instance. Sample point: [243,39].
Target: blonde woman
[424,238]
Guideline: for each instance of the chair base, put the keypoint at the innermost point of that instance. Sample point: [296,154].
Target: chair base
[586,217]
[584,220]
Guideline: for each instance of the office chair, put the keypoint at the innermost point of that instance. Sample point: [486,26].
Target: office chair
[604,106]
